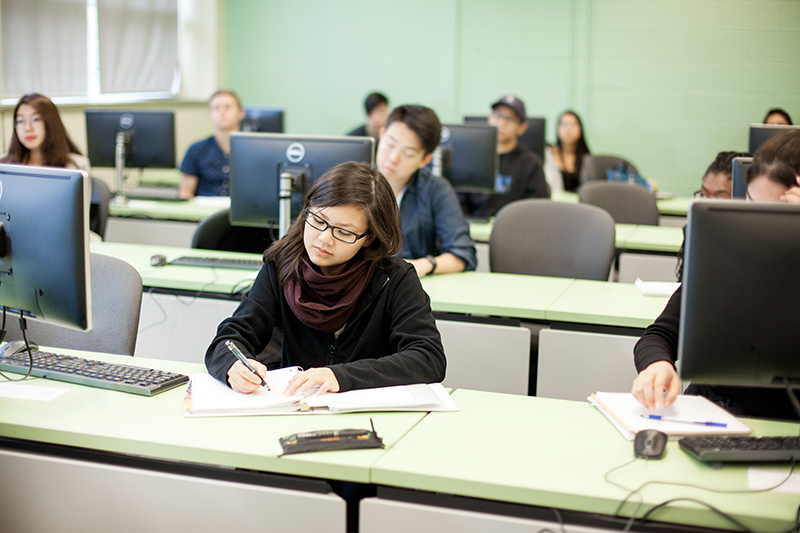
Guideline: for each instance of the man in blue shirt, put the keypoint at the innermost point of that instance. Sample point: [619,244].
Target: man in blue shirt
[435,235]
[206,165]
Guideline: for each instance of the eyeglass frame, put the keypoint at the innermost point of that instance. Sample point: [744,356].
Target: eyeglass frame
[507,118]
[699,194]
[309,214]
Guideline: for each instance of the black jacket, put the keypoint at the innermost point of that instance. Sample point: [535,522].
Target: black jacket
[390,339]
[660,343]
[520,176]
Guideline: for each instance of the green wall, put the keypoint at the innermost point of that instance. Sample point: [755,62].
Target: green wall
[666,84]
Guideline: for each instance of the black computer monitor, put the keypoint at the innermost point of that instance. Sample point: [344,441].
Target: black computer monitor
[739,176]
[533,138]
[263,119]
[740,308]
[469,157]
[761,133]
[150,137]
[258,160]
[44,268]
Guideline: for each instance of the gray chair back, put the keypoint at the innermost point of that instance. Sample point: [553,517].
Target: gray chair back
[216,233]
[546,238]
[116,303]
[594,167]
[98,207]
[626,203]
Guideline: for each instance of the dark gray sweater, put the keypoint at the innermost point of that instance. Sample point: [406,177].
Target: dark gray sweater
[390,339]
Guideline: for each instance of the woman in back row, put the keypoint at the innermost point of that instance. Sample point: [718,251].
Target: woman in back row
[40,138]
[563,160]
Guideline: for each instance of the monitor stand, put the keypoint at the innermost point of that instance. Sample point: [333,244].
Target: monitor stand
[119,165]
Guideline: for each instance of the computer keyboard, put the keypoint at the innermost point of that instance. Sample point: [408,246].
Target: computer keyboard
[216,262]
[743,449]
[124,378]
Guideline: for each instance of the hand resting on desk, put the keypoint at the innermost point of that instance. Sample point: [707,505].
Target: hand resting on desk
[652,382]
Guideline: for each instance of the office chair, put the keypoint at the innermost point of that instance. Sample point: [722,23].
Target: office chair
[216,233]
[98,207]
[626,203]
[594,167]
[545,238]
[116,303]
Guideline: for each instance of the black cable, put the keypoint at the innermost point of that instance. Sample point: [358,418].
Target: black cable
[22,327]
[688,485]
[163,312]
[723,514]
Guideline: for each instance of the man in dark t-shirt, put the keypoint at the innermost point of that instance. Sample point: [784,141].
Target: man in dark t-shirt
[521,173]
[206,165]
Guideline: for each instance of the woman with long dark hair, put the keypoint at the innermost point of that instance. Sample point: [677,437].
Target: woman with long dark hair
[563,160]
[353,313]
[40,137]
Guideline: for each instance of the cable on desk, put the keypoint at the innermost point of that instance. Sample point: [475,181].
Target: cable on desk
[165,315]
[22,327]
[249,282]
[688,485]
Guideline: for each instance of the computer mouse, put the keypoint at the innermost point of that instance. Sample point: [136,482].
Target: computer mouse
[650,443]
[158,260]
[12,348]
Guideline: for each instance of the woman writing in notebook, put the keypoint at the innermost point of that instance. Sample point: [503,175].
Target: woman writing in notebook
[40,137]
[353,314]
[773,177]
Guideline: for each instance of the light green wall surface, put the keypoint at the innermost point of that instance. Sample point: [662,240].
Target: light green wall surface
[666,84]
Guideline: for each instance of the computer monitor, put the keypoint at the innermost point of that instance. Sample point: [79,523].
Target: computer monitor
[761,133]
[740,317]
[263,119]
[533,138]
[149,137]
[44,268]
[469,157]
[258,160]
[739,176]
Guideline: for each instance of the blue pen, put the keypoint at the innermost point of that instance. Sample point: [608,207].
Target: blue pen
[699,423]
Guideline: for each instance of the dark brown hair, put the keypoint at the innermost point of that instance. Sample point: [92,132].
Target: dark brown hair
[723,163]
[351,184]
[373,101]
[229,93]
[778,111]
[57,145]
[778,159]
[422,121]
[581,149]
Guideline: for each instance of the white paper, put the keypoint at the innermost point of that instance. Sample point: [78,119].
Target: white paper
[759,478]
[212,201]
[211,397]
[142,204]
[19,391]
[686,407]
[656,288]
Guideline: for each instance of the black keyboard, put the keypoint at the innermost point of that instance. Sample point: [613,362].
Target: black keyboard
[124,378]
[749,449]
[241,264]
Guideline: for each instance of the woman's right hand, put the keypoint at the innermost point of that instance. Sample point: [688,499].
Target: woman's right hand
[652,382]
[242,380]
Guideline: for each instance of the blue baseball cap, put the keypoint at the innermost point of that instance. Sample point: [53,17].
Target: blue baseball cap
[514,103]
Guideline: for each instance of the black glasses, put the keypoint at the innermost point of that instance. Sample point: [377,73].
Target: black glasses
[340,234]
[719,195]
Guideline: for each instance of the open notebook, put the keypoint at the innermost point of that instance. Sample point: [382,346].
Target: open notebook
[625,412]
[208,397]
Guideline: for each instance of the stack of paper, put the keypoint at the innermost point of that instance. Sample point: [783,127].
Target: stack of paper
[209,397]
[656,288]
[629,416]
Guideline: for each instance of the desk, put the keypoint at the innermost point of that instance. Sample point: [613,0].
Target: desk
[551,454]
[136,461]
[160,222]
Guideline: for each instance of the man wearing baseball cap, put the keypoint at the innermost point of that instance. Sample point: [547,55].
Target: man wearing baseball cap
[520,174]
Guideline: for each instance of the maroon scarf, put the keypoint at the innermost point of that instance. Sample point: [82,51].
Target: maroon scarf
[326,302]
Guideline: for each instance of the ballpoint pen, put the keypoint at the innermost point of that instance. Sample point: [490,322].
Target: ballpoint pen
[235,351]
[697,422]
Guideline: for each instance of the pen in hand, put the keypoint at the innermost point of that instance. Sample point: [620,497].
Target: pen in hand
[235,351]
